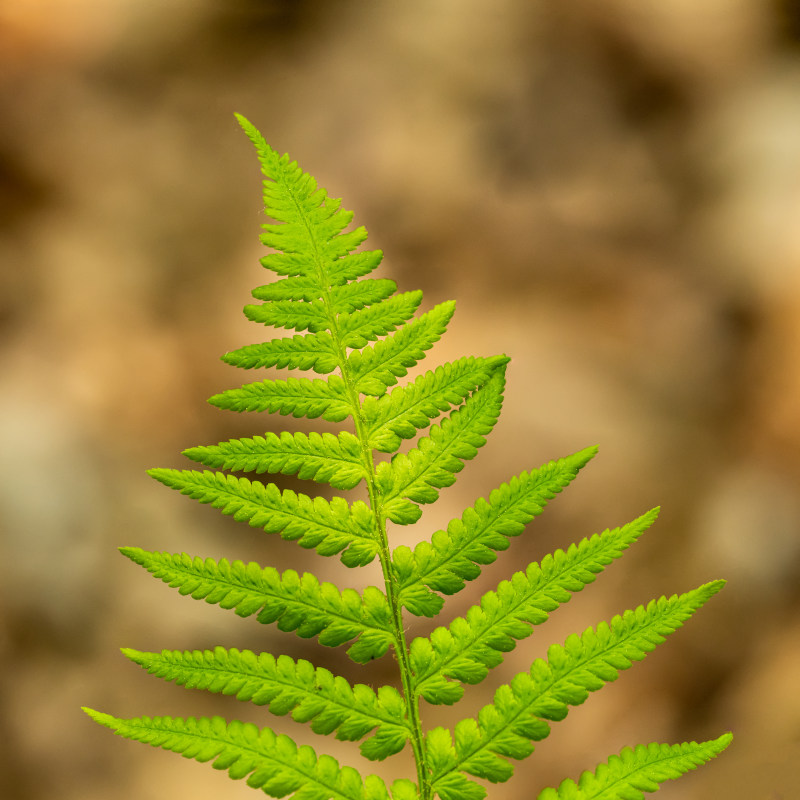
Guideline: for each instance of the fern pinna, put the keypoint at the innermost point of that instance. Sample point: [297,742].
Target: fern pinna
[364,336]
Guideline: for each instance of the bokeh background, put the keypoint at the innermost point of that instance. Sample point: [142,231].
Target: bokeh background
[611,191]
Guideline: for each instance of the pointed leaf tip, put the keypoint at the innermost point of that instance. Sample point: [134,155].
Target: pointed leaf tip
[583,457]
[98,716]
[133,553]
[723,741]
[137,656]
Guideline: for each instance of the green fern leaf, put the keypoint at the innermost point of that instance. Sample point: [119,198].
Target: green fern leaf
[475,643]
[363,335]
[584,664]
[379,366]
[329,526]
[300,397]
[295,315]
[347,268]
[310,694]
[637,770]
[295,602]
[274,763]
[298,288]
[344,299]
[315,351]
[454,556]
[406,409]
[416,476]
[324,458]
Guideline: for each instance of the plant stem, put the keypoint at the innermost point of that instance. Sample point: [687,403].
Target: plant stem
[392,593]
[392,589]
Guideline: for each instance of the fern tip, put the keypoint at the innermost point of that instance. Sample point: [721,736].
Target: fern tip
[134,655]
[724,740]
[652,515]
[133,553]
[583,457]
[100,717]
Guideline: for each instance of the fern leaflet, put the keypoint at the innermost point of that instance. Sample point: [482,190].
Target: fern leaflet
[638,770]
[329,526]
[316,352]
[324,458]
[300,397]
[310,694]
[274,763]
[295,602]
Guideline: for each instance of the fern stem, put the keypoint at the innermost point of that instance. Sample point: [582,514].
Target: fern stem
[390,582]
[392,588]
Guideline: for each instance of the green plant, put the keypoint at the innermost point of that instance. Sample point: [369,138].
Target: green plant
[359,333]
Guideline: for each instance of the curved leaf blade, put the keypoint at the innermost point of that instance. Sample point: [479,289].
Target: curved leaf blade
[270,762]
[299,603]
[637,770]
[324,457]
[310,694]
[329,526]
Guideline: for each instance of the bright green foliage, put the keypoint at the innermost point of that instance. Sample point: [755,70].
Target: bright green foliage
[471,645]
[273,762]
[522,709]
[310,694]
[319,457]
[364,336]
[297,603]
[638,770]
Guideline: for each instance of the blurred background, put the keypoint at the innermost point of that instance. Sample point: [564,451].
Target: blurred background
[612,193]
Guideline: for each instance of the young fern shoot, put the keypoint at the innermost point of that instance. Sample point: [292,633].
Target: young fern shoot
[364,336]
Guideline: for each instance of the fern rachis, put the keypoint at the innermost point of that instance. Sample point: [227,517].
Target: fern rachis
[363,336]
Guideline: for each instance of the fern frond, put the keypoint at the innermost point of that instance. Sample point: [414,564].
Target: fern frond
[363,335]
[634,771]
[315,351]
[300,397]
[324,458]
[406,409]
[310,694]
[416,476]
[298,603]
[380,365]
[274,763]
[584,664]
[473,644]
[455,556]
[329,526]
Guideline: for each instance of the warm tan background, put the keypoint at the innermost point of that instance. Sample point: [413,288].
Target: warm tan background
[611,190]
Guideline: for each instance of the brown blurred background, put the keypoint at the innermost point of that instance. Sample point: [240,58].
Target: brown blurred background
[610,190]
